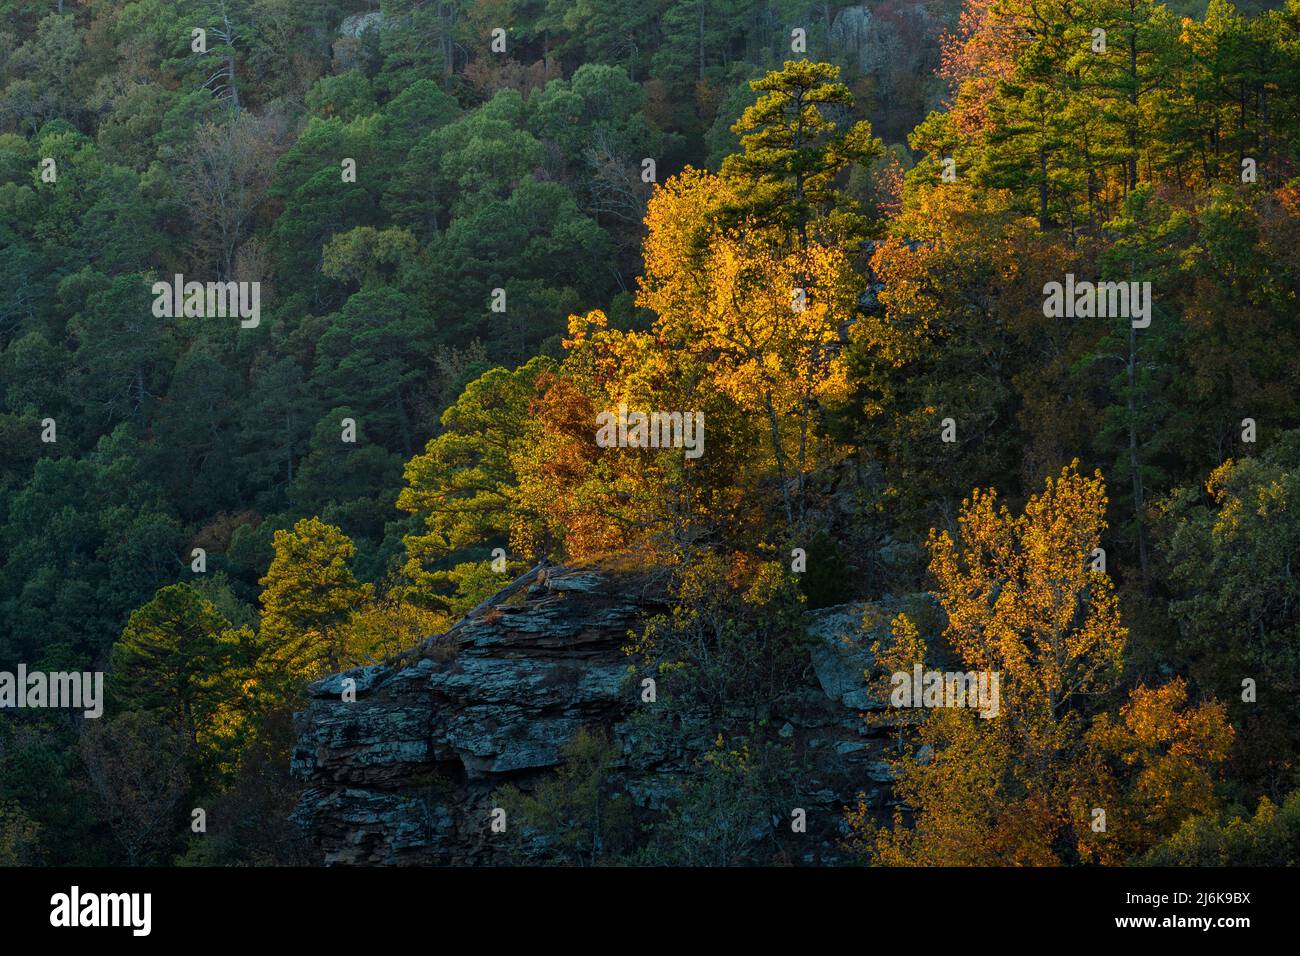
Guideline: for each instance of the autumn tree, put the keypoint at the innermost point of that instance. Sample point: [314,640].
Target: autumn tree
[660,503]
[1154,766]
[750,272]
[1024,600]
[765,325]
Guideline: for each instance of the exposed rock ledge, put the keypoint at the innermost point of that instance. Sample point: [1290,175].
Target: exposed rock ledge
[404,775]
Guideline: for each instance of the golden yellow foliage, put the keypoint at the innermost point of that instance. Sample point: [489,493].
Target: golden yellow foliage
[1021,598]
[1153,766]
[763,322]
[1022,788]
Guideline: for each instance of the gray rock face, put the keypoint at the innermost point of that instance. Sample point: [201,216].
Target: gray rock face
[851,34]
[527,675]
[841,656]
[405,773]
[358,23]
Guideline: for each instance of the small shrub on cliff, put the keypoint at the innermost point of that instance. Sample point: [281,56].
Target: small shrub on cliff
[575,816]
[732,641]
[726,811]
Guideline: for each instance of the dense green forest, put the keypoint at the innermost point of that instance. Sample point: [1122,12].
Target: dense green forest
[475,225]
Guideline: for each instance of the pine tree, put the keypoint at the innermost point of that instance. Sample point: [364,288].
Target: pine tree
[794,143]
[179,656]
[309,595]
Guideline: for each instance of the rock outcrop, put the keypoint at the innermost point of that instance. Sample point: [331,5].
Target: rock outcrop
[850,35]
[405,772]
[358,23]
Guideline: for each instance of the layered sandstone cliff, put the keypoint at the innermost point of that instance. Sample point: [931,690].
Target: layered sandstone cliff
[405,773]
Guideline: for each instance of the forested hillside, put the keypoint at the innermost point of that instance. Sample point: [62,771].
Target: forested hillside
[830,230]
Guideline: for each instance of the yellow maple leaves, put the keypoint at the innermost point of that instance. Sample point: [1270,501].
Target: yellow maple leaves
[1022,599]
[765,318]
[1021,595]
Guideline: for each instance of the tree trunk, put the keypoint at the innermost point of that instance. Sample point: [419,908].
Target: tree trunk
[1133,101]
[701,8]
[1042,189]
[780,460]
[1133,458]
